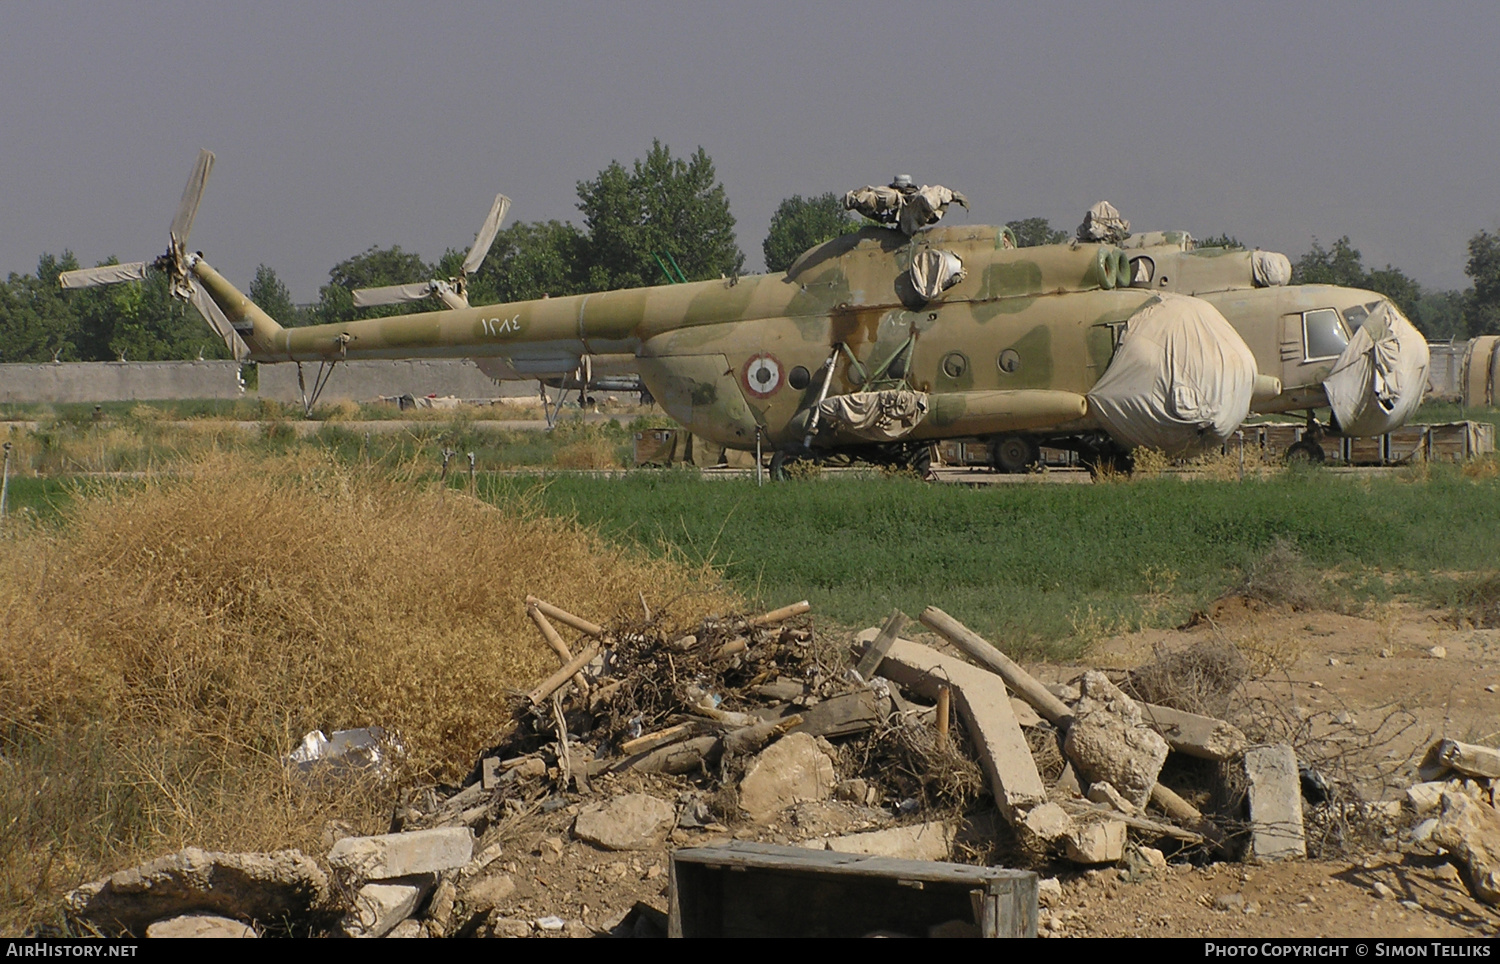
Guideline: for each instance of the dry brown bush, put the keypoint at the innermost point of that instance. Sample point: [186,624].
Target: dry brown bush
[165,646]
[1200,678]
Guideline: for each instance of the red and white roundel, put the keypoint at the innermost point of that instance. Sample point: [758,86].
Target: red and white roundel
[762,375]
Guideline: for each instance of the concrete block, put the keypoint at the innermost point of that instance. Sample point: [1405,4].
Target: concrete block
[199,925]
[379,907]
[402,854]
[1425,797]
[790,771]
[1106,794]
[1470,832]
[1096,842]
[985,708]
[1194,735]
[634,821]
[1110,741]
[1275,793]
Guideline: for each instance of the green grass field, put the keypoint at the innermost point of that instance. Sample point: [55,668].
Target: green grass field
[1045,569]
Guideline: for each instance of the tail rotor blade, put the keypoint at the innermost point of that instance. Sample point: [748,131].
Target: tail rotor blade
[217,320]
[187,208]
[391,294]
[487,234]
[103,275]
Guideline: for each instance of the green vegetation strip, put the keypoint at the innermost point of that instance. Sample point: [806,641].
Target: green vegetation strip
[1045,569]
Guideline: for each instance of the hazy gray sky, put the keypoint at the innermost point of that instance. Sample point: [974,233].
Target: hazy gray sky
[342,125]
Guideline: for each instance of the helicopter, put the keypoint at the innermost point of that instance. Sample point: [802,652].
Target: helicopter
[875,344]
[1349,350]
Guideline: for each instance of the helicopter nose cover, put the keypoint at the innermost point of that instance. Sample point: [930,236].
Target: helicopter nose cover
[1378,381]
[1180,380]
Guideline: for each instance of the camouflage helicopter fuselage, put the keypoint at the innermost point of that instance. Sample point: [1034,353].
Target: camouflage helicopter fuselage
[1014,346]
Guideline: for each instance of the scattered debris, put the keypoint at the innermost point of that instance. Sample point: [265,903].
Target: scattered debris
[634,821]
[264,887]
[402,854]
[1470,831]
[199,925]
[1109,740]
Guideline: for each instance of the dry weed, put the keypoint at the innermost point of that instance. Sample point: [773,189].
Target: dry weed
[164,648]
[588,453]
[1281,577]
[1200,678]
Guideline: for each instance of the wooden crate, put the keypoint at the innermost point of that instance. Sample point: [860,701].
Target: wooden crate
[1407,444]
[761,890]
[1455,441]
[1364,450]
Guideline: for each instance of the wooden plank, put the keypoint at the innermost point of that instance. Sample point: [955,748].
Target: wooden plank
[557,680]
[875,652]
[779,615]
[1025,685]
[851,713]
[550,634]
[563,616]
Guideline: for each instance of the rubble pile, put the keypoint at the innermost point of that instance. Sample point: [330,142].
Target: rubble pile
[755,729]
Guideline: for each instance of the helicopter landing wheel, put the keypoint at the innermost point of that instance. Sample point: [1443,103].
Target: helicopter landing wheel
[1305,452]
[1014,453]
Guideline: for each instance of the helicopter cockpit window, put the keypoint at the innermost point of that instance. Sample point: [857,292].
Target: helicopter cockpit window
[1142,270]
[1355,317]
[1322,334]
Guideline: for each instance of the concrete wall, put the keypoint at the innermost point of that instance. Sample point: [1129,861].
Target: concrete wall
[362,381]
[365,381]
[1445,376]
[119,381]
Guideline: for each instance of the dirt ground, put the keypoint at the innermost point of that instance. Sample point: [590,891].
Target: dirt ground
[1378,689]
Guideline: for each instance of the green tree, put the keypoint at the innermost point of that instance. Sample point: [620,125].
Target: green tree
[1031,232]
[1343,265]
[373,268]
[1482,313]
[801,223]
[268,291]
[664,205]
[1221,241]
[532,260]
[35,321]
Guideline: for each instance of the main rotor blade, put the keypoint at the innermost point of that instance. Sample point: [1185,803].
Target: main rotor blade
[217,320]
[486,236]
[187,208]
[107,274]
[391,294]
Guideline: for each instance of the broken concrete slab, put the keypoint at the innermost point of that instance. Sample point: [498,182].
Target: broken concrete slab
[792,770]
[634,821]
[380,906]
[1425,797]
[393,855]
[1110,741]
[1096,842]
[269,886]
[1275,793]
[1470,832]
[840,716]
[1106,794]
[1045,824]
[1189,733]
[199,926]
[1469,759]
[406,929]
[984,705]
[1025,715]
[922,841]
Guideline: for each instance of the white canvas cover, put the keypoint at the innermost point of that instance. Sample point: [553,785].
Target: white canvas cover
[881,204]
[1270,269]
[927,206]
[1378,381]
[1181,379]
[1103,223]
[874,416]
[934,271]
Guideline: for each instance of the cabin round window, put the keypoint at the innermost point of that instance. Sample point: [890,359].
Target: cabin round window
[799,378]
[955,364]
[1009,361]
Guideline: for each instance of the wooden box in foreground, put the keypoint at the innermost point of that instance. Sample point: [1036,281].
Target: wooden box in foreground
[761,890]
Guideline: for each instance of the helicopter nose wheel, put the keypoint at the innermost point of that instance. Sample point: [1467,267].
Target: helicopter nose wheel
[1305,452]
[1014,453]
